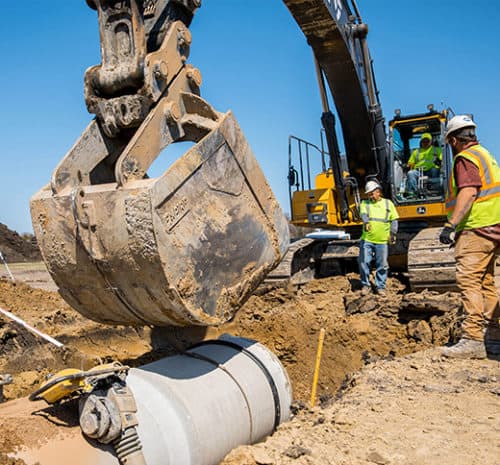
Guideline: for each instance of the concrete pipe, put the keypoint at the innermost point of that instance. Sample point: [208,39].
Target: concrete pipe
[192,409]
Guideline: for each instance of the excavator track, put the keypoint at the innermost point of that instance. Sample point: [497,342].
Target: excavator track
[431,264]
[309,258]
[296,266]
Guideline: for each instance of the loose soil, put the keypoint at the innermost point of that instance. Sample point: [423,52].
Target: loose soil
[384,393]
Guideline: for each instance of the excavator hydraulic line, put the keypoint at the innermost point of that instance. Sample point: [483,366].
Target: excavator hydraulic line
[328,123]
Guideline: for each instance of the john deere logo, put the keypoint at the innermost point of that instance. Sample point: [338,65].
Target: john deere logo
[421,210]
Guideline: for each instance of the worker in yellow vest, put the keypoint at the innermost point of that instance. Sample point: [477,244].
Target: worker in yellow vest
[379,228]
[424,161]
[473,226]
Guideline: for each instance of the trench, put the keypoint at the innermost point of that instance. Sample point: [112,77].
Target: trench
[358,331]
[286,320]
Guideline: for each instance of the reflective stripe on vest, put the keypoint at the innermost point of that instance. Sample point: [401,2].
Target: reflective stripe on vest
[382,220]
[485,210]
[434,155]
[490,186]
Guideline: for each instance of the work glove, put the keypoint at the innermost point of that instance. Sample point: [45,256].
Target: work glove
[392,239]
[447,235]
[367,226]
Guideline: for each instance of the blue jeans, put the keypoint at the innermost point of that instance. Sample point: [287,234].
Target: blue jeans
[413,176]
[367,251]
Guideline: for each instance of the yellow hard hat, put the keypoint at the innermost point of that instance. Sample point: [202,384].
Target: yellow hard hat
[426,135]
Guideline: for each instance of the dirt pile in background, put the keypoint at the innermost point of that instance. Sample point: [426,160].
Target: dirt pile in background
[16,248]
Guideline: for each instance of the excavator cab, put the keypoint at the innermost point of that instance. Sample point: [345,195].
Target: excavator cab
[419,158]
[420,162]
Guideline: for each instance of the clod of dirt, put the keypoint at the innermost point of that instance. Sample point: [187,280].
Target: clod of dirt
[420,331]
[295,451]
[428,302]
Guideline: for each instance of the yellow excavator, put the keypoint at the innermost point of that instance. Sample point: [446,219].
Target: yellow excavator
[326,185]
[189,247]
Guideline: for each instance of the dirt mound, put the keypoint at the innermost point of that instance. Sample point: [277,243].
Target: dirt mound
[29,358]
[418,409]
[361,331]
[358,329]
[16,248]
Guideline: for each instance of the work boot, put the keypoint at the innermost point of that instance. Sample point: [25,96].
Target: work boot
[465,348]
[365,290]
[382,292]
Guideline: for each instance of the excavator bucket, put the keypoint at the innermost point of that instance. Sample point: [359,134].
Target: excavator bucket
[184,249]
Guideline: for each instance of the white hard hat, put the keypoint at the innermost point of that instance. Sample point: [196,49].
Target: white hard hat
[458,122]
[371,186]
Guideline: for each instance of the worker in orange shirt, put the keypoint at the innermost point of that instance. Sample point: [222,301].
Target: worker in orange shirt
[473,227]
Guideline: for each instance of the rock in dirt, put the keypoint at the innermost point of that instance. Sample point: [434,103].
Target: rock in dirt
[420,330]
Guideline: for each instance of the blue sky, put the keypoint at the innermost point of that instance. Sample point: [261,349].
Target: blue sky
[255,61]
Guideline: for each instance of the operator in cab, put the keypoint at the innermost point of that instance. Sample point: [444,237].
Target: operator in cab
[380,227]
[473,227]
[424,161]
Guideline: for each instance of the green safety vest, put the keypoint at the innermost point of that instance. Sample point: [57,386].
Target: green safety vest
[485,210]
[426,158]
[380,214]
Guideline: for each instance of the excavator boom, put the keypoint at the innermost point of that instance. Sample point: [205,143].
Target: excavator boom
[336,33]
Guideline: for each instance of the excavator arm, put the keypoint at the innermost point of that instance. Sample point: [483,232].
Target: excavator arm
[186,248]
[337,35]
[144,48]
